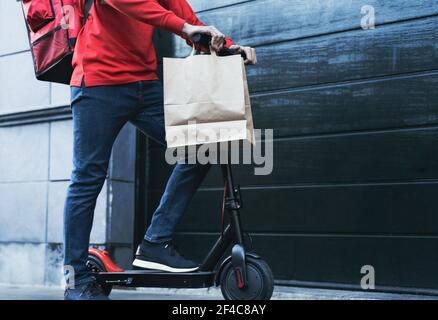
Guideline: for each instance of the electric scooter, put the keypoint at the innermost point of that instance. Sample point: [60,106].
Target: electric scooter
[243,275]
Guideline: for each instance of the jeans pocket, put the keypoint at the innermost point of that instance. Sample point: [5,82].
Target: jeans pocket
[76,93]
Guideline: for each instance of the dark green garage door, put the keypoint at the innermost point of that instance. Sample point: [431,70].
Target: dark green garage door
[355,116]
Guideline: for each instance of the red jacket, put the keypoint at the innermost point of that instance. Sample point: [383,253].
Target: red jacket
[115,46]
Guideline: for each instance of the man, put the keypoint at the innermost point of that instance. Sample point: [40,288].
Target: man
[114,81]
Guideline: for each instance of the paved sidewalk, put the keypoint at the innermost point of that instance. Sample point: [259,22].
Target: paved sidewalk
[9,292]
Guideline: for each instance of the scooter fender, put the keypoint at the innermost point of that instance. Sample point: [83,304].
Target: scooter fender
[104,257]
[238,259]
[228,260]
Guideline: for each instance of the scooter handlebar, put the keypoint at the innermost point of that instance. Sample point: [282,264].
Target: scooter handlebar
[204,41]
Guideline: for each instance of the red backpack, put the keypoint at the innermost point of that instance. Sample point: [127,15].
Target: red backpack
[53,26]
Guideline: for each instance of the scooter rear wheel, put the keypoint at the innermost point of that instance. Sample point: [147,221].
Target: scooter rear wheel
[96,266]
[260,284]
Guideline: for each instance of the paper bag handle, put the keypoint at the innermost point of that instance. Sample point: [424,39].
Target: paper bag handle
[204,40]
[212,52]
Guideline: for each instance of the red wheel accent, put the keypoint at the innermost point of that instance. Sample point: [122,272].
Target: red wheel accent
[103,256]
[240,283]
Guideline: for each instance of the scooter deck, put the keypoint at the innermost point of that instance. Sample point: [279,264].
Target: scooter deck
[158,279]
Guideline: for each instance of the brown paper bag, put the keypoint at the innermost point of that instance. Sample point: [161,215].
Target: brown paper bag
[206,100]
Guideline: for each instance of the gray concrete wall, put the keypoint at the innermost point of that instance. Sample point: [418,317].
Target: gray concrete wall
[35,166]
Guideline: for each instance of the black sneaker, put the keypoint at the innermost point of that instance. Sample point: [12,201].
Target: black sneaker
[162,256]
[88,291]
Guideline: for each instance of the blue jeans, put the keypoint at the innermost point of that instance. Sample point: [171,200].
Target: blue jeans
[99,113]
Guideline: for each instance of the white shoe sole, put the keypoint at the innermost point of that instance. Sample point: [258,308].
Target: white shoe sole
[158,266]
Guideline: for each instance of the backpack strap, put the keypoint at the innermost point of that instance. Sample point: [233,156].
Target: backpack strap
[87,8]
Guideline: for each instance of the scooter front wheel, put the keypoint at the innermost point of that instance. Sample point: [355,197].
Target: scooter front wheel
[260,281]
[96,265]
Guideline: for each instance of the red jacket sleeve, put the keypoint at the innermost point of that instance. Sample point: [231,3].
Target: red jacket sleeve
[183,10]
[150,12]
[166,14]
